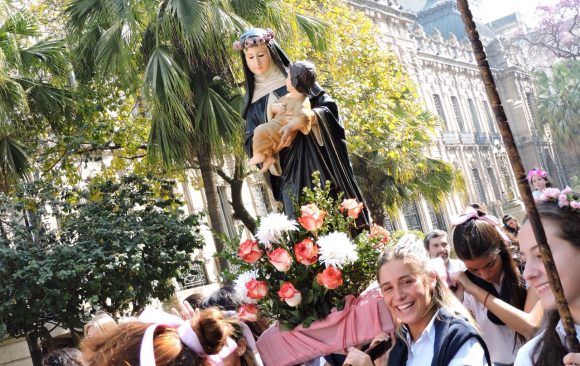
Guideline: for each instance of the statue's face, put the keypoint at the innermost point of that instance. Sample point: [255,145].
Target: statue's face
[258,59]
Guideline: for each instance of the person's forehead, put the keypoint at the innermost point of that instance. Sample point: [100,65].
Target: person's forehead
[438,240]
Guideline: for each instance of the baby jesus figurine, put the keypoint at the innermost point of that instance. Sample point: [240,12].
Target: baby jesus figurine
[291,113]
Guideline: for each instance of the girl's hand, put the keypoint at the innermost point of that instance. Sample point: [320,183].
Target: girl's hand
[356,357]
[185,311]
[462,281]
[572,359]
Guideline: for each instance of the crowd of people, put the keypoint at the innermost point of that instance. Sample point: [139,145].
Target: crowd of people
[485,307]
[476,309]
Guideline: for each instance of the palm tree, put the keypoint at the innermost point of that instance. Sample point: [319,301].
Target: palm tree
[559,103]
[178,52]
[31,100]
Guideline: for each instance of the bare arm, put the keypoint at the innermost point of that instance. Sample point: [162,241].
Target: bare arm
[526,322]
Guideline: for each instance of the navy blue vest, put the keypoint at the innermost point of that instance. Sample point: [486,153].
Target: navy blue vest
[451,332]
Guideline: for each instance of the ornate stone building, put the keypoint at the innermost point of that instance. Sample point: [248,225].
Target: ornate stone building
[433,46]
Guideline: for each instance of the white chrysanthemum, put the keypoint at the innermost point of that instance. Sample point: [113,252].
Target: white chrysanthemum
[240,285]
[273,226]
[336,249]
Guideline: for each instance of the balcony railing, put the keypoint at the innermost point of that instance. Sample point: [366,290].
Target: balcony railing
[482,138]
[450,137]
[467,138]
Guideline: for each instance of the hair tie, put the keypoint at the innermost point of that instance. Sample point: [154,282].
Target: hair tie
[471,213]
[161,318]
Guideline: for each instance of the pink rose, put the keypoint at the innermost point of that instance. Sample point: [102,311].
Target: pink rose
[380,232]
[306,252]
[257,290]
[352,206]
[289,294]
[248,313]
[311,217]
[281,259]
[575,205]
[331,278]
[550,193]
[249,251]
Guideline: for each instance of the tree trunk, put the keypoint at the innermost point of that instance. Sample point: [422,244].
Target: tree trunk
[33,341]
[518,168]
[236,184]
[213,202]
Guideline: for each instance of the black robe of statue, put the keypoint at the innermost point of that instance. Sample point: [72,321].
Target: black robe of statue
[305,155]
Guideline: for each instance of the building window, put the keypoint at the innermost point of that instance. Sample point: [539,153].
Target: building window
[458,115]
[411,216]
[488,115]
[195,278]
[437,219]
[440,111]
[495,187]
[388,224]
[479,190]
[474,116]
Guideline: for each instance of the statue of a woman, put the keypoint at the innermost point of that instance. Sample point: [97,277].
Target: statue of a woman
[265,71]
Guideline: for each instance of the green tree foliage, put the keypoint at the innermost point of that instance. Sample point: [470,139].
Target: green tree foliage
[388,130]
[559,104]
[177,56]
[116,244]
[33,89]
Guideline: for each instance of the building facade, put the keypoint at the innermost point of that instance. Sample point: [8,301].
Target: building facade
[432,45]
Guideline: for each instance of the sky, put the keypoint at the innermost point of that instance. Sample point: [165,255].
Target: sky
[494,9]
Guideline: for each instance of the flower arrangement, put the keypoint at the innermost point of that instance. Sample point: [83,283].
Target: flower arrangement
[565,198]
[297,271]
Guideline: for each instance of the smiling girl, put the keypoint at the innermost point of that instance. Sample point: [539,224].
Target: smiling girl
[433,325]
[562,226]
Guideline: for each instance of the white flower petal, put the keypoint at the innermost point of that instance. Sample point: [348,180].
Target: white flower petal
[240,285]
[336,249]
[272,228]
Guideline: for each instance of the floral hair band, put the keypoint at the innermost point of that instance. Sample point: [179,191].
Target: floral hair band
[565,198]
[254,40]
[537,171]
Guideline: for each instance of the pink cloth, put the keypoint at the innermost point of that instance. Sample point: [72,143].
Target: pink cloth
[359,322]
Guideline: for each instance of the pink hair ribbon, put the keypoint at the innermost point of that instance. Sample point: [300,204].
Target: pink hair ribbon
[186,334]
[471,213]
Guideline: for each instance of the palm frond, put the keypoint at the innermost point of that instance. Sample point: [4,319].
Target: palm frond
[315,30]
[189,14]
[216,120]
[49,53]
[167,141]
[82,12]
[21,23]
[112,52]
[45,99]
[14,162]
[12,96]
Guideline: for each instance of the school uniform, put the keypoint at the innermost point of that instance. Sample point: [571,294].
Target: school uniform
[527,353]
[501,340]
[446,341]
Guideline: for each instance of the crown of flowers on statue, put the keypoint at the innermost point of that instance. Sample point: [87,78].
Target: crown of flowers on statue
[537,171]
[253,40]
[566,198]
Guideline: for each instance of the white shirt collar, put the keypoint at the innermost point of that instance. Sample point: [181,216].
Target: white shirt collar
[427,334]
[562,333]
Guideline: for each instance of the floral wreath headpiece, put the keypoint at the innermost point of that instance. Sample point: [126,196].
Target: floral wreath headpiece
[254,40]
[537,171]
[565,198]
